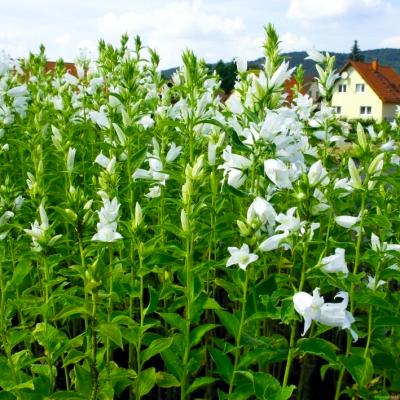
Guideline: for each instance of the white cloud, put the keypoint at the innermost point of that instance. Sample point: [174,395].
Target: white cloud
[391,41]
[293,42]
[316,9]
[174,26]
[313,10]
[175,20]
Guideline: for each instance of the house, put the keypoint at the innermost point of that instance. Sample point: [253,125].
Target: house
[69,67]
[367,90]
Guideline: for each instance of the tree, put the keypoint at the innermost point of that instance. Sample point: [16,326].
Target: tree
[356,54]
[227,72]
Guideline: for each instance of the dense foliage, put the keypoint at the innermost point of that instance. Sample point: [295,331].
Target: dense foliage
[158,243]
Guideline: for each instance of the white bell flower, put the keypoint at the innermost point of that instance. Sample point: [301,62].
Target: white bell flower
[335,263]
[273,242]
[107,225]
[278,173]
[309,307]
[317,174]
[173,152]
[314,308]
[241,256]
[373,284]
[347,221]
[262,211]
[146,121]
[288,222]
[234,167]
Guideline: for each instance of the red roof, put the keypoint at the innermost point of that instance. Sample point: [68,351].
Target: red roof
[69,67]
[384,80]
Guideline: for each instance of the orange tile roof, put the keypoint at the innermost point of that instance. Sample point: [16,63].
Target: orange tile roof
[384,80]
[69,67]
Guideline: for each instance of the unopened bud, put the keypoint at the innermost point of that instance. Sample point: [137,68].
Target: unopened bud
[197,170]
[243,228]
[88,205]
[71,214]
[138,215]
[362,139]
[376,165]
[184,221]
[355,176]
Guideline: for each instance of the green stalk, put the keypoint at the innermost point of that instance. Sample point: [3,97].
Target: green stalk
[3,330]
[109,308]
[294,326]
[93,369]
[369,335]
[46,280]
[239,336]
[355,269]
[139,345]
[188,316]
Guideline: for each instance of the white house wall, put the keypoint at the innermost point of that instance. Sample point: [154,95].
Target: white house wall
[350,101]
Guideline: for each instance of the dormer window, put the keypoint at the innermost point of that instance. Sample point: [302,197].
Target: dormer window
[360,88]
[342,88]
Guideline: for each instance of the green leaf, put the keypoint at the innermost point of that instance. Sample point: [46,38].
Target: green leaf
[387,321]
[145,381]
[318,347]
[199,382]
[197,333]
[138,158]
[165,380]
[360,368]
[22,269]
[153,301]
[156,347]
[112,332]
[198,308]
[175,320]
[67,395]
[223,363]
[73,357]
[83,380]
[384,361]
[230,322]
[211,304]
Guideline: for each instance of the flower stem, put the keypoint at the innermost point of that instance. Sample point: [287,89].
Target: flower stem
[294,326]
[239,335]
[188,268]
[356,264]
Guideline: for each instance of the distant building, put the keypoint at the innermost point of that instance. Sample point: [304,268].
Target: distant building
[367,90]
[69,67]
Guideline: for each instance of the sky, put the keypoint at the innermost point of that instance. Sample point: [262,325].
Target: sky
[213,29]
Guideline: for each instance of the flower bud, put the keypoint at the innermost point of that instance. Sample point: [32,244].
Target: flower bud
[138,215]
[362,139]
[355,176]
[71,214]
[243,228]
[120,134]
[184,221]
[186,191]
[88,205]
[376,165]
[197,169]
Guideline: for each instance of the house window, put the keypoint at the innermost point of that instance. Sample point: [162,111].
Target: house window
[365,110]
[338,109]
[342,88]
[360,88]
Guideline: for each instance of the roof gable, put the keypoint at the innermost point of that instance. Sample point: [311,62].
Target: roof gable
[383,80]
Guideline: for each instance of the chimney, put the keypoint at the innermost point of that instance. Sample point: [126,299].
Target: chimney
[374,65]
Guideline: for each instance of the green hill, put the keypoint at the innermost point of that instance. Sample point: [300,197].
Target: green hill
[390,57]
